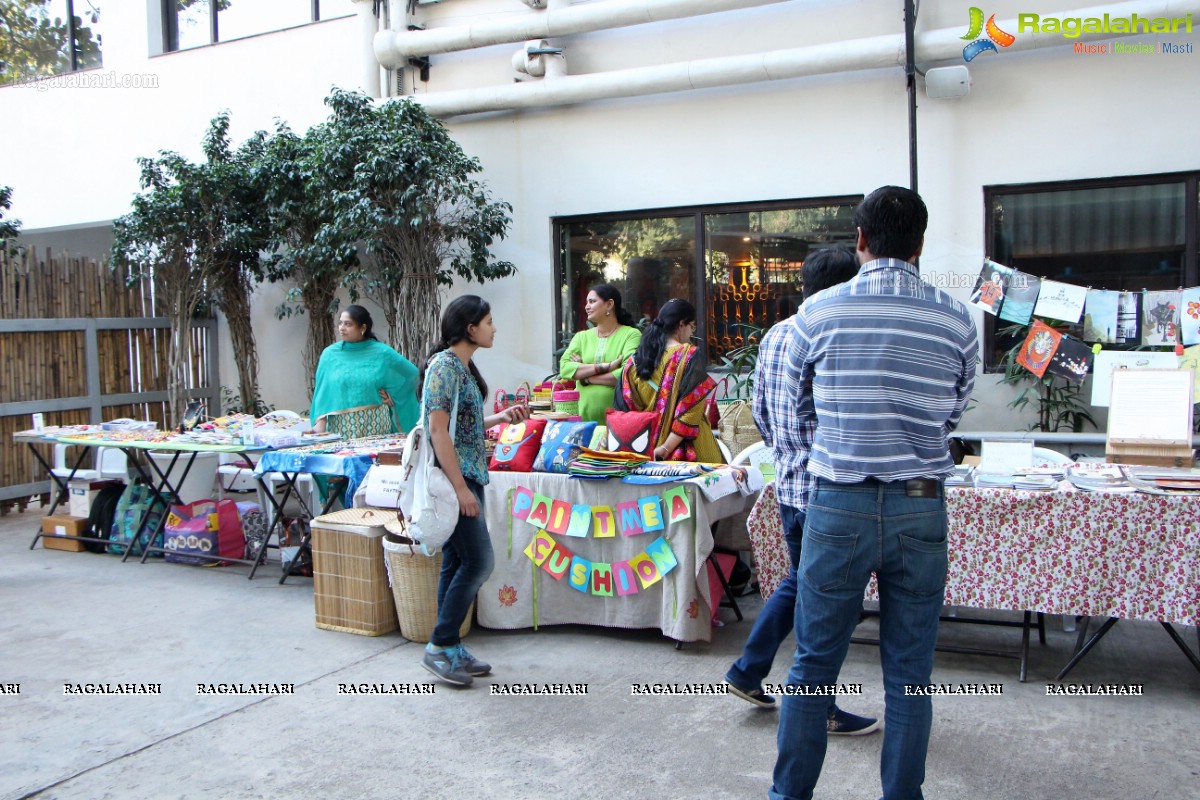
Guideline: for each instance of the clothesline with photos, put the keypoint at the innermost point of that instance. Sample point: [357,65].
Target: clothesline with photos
[1167,319]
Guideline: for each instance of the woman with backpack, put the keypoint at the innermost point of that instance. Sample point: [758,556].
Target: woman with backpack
[451,383]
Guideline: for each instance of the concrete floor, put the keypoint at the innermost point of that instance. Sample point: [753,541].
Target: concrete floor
[84,618]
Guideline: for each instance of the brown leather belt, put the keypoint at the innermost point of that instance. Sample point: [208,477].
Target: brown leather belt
[923,487]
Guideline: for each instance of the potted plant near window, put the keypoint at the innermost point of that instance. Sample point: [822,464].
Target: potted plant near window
[735,425]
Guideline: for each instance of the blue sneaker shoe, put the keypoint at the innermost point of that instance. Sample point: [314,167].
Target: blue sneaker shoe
[843,723]
[756,696]
[470,664]
[448,665]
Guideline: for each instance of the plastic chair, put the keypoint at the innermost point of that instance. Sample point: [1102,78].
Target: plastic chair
[111,462]
[725,454]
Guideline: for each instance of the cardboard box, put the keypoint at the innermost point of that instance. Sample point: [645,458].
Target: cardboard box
[82,494]
[63,525]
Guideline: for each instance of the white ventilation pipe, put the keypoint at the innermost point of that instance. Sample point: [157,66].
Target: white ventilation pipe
[848,56]
[368,27]
[393,48]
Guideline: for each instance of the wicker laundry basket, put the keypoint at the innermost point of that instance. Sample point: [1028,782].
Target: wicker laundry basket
[414,579]
[350,589]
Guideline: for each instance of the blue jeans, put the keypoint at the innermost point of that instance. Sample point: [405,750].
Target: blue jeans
[467,561]
[851,531]
[777,618]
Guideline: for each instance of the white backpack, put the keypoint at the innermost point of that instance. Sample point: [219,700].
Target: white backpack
[428,500]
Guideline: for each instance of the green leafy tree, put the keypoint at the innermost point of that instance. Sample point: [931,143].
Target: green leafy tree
[36,45]
[9,227]
[312,246]
[195,230]
[411,199]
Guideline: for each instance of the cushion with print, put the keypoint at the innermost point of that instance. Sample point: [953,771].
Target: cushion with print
[561,443]
[518,446]
[632,431]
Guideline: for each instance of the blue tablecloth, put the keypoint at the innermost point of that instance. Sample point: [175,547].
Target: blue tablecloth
[350,459]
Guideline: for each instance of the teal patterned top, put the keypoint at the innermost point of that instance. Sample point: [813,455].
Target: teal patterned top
[445,378]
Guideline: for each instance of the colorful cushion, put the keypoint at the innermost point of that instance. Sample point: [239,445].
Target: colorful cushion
[518,446]
[561,443]
[599,438]
[632,431]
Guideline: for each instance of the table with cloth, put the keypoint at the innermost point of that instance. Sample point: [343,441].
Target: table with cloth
[1115,555]
[520,594]
[345,458]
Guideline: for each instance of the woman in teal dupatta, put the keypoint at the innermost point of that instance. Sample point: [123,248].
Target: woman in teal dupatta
[360,370]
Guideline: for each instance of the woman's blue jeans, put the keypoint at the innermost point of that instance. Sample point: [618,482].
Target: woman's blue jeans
[467,561]
[852,531]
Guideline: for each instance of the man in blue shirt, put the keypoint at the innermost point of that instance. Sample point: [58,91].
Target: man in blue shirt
[776,419]
[885,364]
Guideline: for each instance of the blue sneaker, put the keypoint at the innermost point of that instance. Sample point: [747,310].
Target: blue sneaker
[448,665]
[843,723]
[470,664]
[756,696]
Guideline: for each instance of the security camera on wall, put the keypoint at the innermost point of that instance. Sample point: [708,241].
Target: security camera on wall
[943,83]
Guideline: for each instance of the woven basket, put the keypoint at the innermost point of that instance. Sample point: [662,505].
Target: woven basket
[414,580]
[350,587]
[566,401]
[736,426]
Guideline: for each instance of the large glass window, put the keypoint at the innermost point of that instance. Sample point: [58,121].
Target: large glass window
[40,38]
[192,23]
[740,265]
[1124,234]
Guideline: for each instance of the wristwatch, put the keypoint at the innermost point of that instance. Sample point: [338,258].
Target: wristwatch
[583,381]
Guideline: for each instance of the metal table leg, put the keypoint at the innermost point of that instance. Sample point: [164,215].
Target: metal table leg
[1081,652]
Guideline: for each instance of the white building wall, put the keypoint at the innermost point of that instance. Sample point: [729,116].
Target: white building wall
[1031,116]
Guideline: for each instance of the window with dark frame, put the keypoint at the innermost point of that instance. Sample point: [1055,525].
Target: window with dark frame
[738,264]
[1123,234]
[51,37]
[195,23]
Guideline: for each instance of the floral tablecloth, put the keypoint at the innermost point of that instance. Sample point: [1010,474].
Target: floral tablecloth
[1132,556]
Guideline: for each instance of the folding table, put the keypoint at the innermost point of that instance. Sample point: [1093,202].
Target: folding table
[165,490]
[346,459]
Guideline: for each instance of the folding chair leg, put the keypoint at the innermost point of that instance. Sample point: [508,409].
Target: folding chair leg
[729,598]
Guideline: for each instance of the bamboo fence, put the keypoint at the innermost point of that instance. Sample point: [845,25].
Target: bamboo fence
[50,365]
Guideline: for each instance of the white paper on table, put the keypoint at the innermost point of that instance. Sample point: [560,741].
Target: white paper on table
[1005,457]
[1108,360]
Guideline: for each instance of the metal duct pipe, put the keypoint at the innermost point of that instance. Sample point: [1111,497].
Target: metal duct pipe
[393,48]
[848,56]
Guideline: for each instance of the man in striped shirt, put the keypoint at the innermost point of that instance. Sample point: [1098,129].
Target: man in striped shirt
[789,440]
[885,364]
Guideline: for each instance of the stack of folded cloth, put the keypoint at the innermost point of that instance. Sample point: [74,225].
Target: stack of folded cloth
[604,464]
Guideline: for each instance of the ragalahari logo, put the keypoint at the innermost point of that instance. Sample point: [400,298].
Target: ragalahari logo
[994,37]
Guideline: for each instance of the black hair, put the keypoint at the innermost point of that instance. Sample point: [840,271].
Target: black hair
[674,313]
[828,267]
[893,220]
[361,317]
[606,292]
[460,314]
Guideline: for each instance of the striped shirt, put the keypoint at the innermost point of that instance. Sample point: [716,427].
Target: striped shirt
[886,363]
[777,419]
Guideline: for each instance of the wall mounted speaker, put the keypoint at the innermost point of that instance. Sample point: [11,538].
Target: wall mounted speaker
[947,82]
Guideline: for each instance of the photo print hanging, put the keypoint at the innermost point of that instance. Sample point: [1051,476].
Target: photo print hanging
[1160,317]
[1038,348]
[991,286]
[1019,297]
[1100,316]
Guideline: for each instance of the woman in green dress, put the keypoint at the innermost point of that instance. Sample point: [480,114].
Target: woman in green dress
[594,358]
